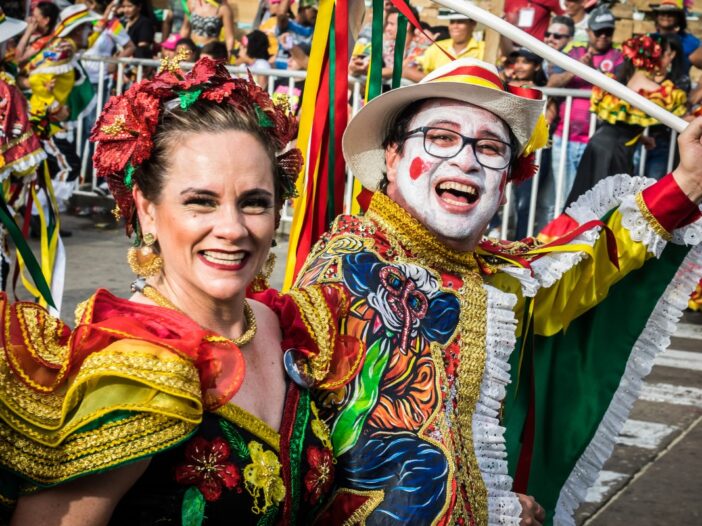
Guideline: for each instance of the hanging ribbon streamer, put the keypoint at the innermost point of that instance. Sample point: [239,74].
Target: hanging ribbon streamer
[52,253]
[399,58]
[323,119]
[25,255]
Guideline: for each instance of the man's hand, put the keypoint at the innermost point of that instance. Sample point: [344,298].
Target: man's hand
[532,512]
[688,174]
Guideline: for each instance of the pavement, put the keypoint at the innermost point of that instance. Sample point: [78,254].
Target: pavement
[652,477]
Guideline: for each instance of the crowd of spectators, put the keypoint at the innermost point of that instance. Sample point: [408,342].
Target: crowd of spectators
[280,38]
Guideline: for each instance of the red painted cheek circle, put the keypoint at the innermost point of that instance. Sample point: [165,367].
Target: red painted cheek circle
[417,168]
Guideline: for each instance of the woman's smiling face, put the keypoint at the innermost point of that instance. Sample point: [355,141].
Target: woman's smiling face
[215,216]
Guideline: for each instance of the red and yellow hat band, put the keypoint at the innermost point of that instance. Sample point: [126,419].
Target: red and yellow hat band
[477,76]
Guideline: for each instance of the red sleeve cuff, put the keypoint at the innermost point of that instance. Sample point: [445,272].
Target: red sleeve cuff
[669,204]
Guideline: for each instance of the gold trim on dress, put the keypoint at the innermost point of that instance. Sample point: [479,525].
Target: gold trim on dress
[471,368]
[651,219]
[14,142]
[318,321]
[251,423]
[359,516]
[112,444]
[425,248]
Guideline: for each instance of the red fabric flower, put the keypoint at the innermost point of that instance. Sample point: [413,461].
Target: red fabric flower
[124,131]
[207,466]
[319,478]
[644,52]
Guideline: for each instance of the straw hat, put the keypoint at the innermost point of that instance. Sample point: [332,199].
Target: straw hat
[73,16]
[468,80]
[9,27]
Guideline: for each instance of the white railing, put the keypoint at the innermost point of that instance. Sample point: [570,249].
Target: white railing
[356,84]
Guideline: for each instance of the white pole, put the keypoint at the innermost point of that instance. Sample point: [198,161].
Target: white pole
[671,151]
[561,175]
[564,61]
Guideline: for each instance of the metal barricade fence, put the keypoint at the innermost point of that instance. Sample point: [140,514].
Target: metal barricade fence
[356,85]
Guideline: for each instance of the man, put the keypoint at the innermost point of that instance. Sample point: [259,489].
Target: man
[598,54]
[430,319]
[670,18]
[461,44]
[575,10]
[559,34]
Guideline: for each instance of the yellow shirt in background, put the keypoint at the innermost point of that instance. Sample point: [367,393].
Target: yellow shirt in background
[434,58]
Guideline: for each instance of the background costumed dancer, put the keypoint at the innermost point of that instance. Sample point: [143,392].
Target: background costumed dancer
[21,155]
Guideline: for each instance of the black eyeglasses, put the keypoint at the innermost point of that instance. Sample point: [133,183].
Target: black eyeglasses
[446,144]
[555,35]
[604,32]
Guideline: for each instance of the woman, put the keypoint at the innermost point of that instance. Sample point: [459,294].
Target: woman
[140,27]
[38,32]
[658,140]
[155,402]
[648,68]
[206,20]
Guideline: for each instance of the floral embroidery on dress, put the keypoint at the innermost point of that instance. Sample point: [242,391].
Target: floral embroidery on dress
[319,428]
[320,476]
[208,467]
[262,478]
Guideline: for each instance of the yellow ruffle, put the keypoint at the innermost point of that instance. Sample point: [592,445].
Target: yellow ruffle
[613,110]
[128,401]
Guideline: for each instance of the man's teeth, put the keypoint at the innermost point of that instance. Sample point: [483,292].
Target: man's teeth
[224,257]
[453,185]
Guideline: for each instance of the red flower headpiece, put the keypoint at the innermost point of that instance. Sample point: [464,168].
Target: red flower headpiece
[644,52]
[126,127]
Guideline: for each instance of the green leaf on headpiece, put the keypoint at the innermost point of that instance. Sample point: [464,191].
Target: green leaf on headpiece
[188,98]
[129,176]
[263,119]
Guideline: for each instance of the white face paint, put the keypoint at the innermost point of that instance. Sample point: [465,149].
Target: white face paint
[454,198]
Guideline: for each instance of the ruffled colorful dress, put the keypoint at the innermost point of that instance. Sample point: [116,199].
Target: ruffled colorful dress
[20,148]
[51,75]
[133,381]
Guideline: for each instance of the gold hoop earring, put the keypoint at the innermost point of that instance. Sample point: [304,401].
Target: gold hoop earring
[144,260]
[260,282]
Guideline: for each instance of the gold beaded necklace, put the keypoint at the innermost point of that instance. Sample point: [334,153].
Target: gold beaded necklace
[159,299]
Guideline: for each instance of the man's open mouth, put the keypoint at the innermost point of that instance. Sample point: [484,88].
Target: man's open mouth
[457,194]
